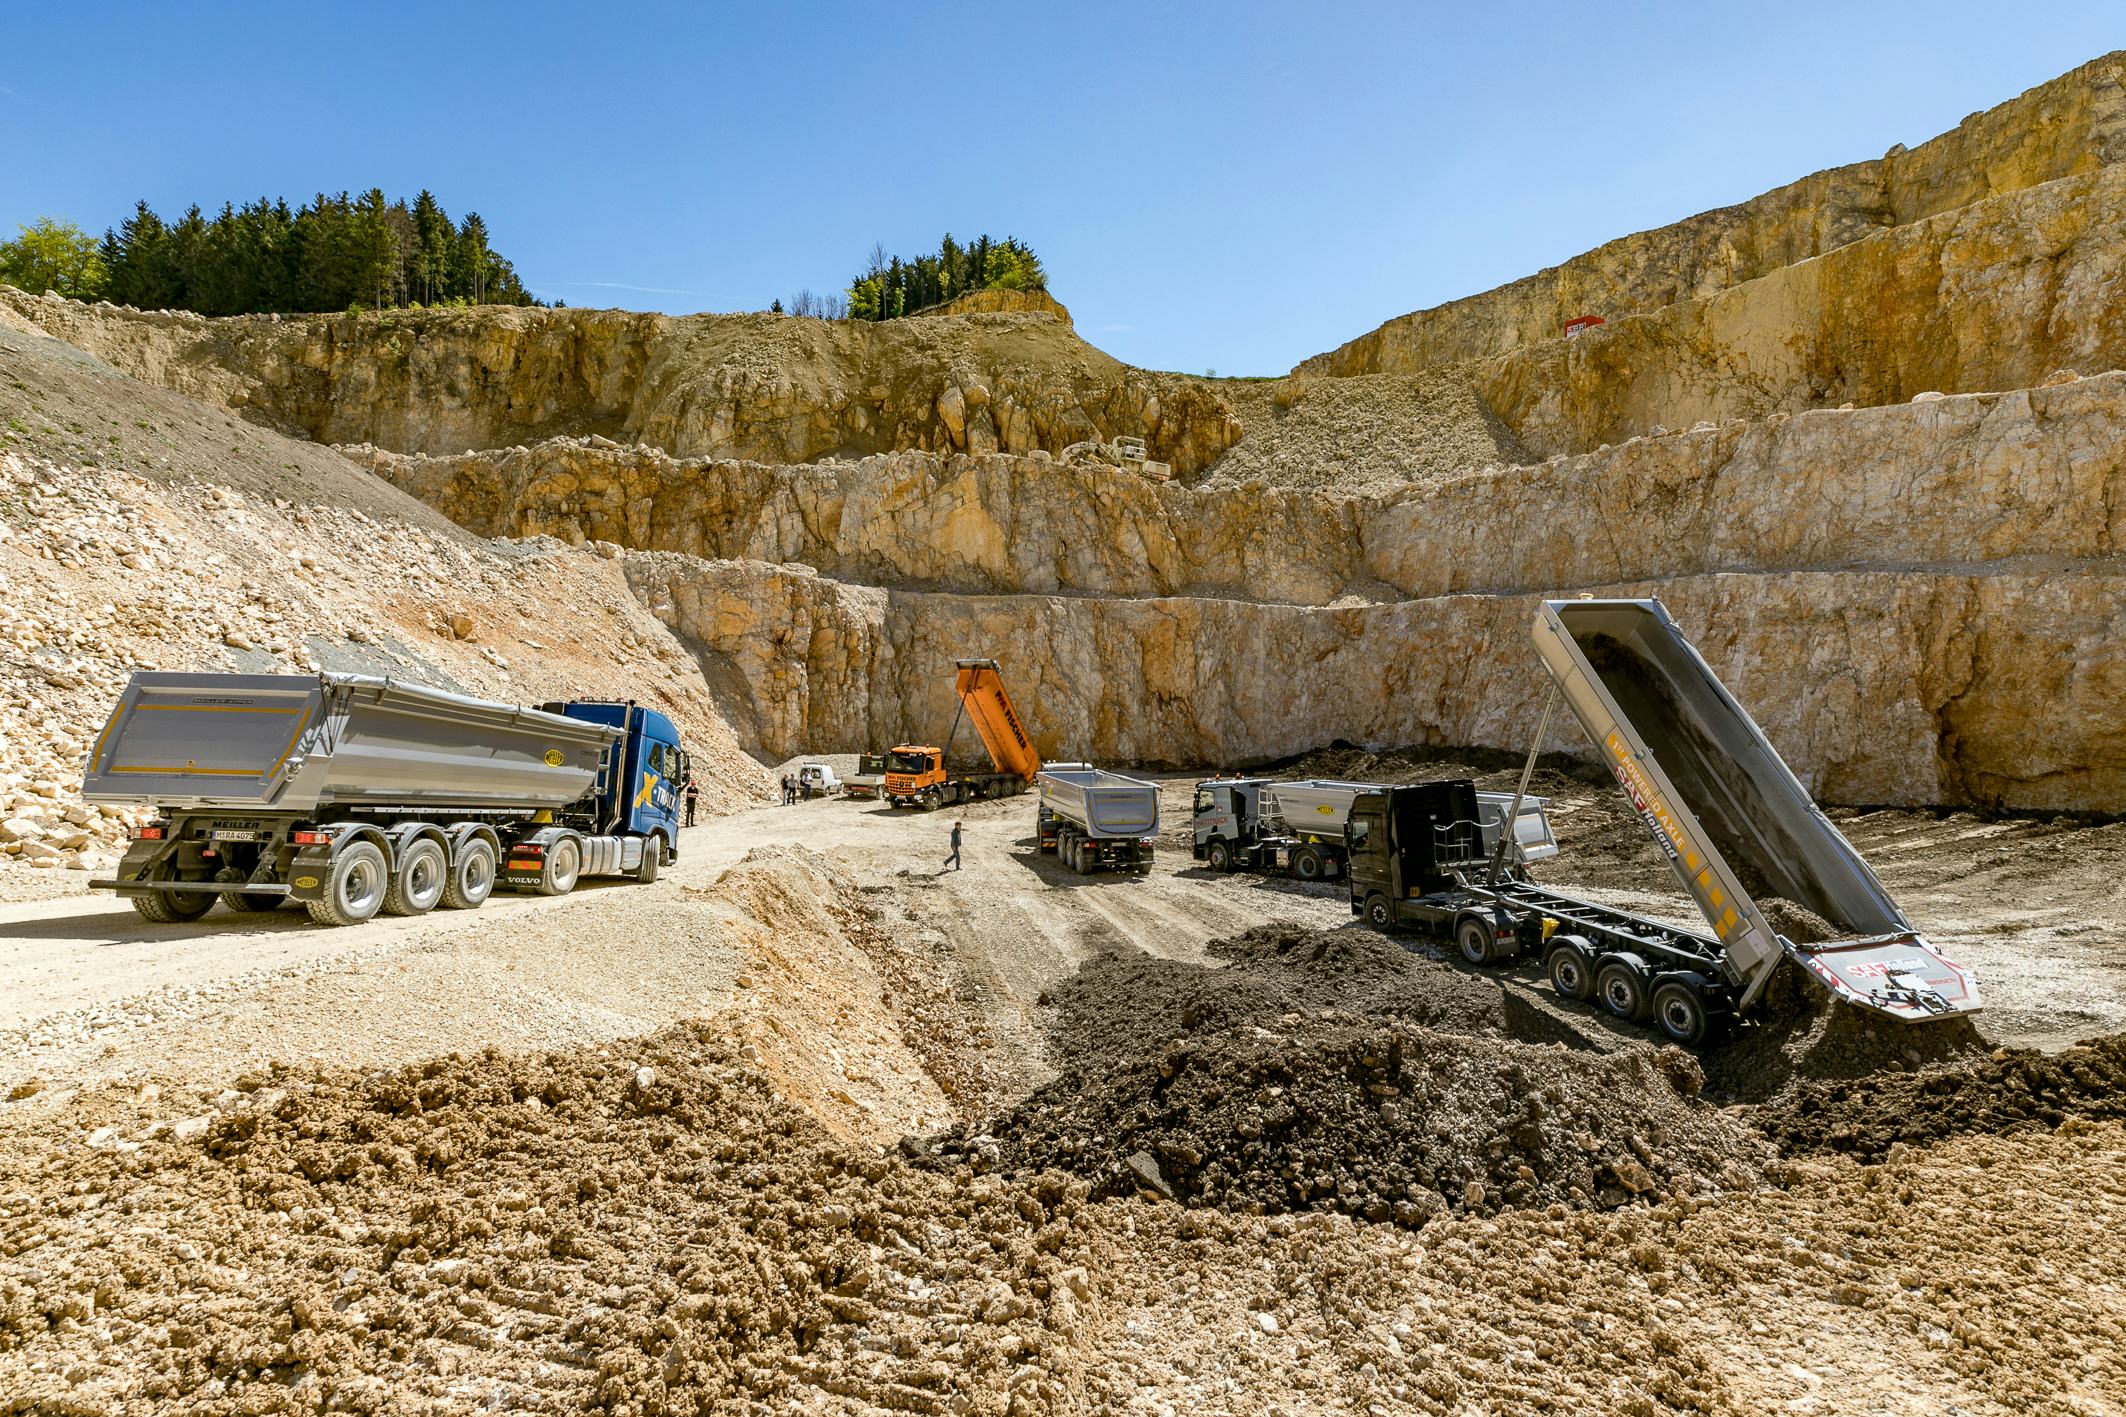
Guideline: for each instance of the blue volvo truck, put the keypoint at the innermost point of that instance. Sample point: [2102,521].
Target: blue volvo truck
[353,795]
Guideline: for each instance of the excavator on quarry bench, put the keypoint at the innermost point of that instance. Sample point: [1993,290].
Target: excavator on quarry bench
[918,775]
[1731,818]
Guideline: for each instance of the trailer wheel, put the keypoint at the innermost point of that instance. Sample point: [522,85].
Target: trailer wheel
[1621,986]
[652,859]
[1378,914]
[1472,936]
[173,909]
[1681,1015]
[418,882]
[564,862]
[1306,864]
[472,876]
[354,886]
[1571,969]
[1220,856]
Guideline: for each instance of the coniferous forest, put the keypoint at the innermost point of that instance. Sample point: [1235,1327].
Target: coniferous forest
[331,253]
[892,286]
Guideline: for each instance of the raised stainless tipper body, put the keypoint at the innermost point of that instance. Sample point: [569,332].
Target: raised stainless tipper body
[1730,815]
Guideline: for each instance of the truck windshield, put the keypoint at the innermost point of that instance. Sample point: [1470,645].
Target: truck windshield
[907,762]
[1206,800]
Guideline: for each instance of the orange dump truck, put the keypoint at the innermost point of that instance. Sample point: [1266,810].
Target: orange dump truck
[917,775]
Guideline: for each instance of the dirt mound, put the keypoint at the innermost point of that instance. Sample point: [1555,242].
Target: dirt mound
[1335,1070]
[2011,1090]
[654,1231]
[1803,1036]
[1117,1001]
[1382,1120]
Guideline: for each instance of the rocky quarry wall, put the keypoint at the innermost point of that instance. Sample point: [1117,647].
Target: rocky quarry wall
[2067,127]
[1891,517]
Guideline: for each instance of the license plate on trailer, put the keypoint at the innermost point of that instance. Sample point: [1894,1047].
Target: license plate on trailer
[234,836]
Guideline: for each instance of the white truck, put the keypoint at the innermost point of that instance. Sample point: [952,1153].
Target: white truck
[1094,820]
[1298,828]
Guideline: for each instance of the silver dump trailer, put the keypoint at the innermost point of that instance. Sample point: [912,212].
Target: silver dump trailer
[1299,828]
[353,794]
[1731,818]
[1095,820]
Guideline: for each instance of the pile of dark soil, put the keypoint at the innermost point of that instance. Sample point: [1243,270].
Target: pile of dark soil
[2011,1090]
[1337,1071]
[1118,1001]
[1801,1035]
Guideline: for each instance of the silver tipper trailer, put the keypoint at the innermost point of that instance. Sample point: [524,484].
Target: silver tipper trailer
[1095,820]
[1731,817]
[1299,827]
[354,794]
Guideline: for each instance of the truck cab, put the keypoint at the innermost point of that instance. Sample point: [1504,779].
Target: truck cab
[1226,809]
[638,789]
[912,770]
[1407,843]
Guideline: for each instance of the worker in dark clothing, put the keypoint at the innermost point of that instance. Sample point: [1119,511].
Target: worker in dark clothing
[787,795]
[692,794]
[954,859]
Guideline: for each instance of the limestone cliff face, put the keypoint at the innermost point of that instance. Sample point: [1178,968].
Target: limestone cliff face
[2030,478]
[1996,295]
[1878,687]
[2063,128]
[766,387]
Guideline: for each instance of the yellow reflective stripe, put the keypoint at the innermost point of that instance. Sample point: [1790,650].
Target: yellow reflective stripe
[291,743]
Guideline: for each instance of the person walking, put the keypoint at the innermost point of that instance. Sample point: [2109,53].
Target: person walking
[954,859]
[786,789]
[692,794]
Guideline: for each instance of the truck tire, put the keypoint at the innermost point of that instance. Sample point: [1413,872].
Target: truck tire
[1219,855]
[472,876]
[1681,1015]
[418,881]
[173,909]
[652,859]
[1473,937]
[564,863]
[1621,986]
[1571,968]
[354,886]
[1379,914]
[1306,863]
[244,902]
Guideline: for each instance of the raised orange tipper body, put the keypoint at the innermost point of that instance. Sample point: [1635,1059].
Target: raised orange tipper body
[917,774]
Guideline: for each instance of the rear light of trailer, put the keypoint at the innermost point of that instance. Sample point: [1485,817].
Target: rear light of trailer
[527,849]
[149,833]
[311,838]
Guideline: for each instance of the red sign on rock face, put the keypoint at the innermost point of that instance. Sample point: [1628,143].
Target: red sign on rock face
[1581,324]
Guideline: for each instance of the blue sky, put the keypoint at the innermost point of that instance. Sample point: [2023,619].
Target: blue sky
[1211,186]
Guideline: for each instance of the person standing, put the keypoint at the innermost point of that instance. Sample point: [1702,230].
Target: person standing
[692,793]
[954,859]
